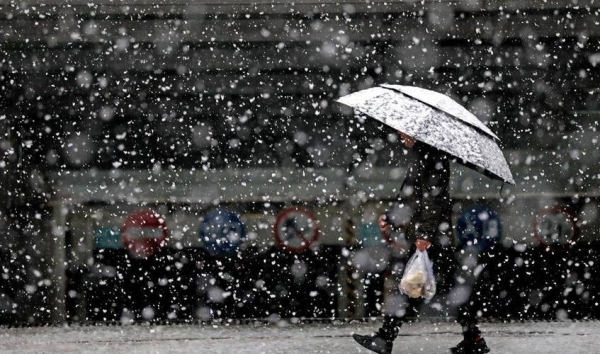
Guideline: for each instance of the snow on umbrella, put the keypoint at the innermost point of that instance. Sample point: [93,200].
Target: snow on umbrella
[437,120]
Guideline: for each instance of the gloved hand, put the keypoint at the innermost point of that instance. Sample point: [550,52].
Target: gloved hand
[422,245]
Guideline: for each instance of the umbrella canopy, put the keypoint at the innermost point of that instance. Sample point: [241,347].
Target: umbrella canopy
[437,120]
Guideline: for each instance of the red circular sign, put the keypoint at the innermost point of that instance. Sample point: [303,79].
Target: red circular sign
[144,233]
[296,229]
[555,226]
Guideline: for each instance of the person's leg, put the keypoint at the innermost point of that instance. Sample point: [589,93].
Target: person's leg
[382,340]
[468,320]
[466,316]
[392,323]
[473,342]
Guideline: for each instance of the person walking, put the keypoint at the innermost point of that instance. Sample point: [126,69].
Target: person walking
[425,190]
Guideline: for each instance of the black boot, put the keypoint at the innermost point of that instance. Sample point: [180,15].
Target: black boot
[383,340]
[375,343]
[475,345]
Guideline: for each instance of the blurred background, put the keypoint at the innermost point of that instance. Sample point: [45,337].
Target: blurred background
[186,161]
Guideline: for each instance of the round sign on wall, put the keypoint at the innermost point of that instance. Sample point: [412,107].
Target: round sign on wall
[222,232]
[480,226]
[296,229]
[555,226]
[144,233]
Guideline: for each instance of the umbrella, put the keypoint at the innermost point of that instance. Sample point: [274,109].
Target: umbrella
[437,120]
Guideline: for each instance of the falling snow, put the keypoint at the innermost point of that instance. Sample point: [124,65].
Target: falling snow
[165,163]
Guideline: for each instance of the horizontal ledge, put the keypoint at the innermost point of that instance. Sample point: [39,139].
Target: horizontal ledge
[274,7]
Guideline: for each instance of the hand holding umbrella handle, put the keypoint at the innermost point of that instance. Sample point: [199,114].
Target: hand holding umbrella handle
[422,245]
[384,226]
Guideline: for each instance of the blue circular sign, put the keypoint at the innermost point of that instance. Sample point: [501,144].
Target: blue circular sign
[222,232]
[479,226]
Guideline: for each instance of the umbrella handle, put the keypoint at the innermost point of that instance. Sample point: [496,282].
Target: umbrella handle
[501,189]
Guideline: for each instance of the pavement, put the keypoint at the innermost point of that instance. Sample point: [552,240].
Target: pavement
[295,338]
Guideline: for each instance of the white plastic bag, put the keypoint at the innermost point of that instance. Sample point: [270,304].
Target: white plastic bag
[418,279]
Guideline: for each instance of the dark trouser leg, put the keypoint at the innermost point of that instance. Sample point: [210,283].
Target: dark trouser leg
[467,312]
[467,318]
[391,324]
[472,342]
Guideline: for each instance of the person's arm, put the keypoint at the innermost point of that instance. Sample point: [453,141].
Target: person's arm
[405,199]
[434,202]
[386,228]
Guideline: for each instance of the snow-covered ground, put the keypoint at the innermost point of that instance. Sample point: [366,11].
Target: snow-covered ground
[422,337]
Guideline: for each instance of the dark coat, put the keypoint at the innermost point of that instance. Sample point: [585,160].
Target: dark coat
[425,190]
